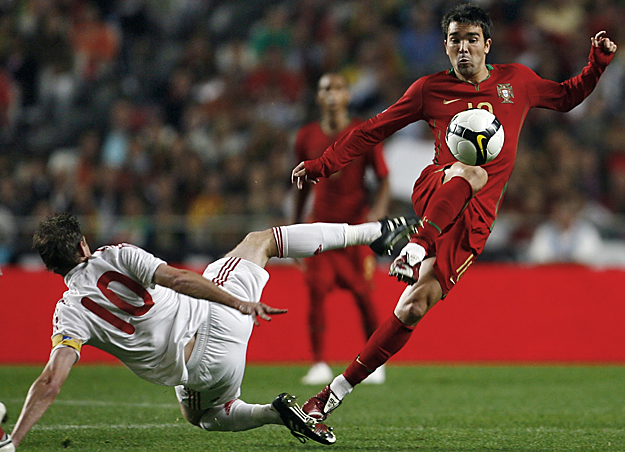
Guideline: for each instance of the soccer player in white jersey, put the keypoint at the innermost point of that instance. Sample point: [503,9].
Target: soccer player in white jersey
[156,318]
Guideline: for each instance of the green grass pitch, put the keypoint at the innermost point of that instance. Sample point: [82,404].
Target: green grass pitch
[424,408]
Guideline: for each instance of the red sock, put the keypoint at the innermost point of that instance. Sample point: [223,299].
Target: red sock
[387,340]
[445,205]
[317,324]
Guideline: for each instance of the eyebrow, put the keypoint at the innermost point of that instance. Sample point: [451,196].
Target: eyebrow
[471,33]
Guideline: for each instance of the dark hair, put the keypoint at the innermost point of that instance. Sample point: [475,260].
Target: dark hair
[57,240]
[468,13]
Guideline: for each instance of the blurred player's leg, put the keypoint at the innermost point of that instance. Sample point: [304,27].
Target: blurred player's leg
[358,281]
[320,280]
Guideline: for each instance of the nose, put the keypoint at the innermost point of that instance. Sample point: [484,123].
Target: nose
[464,46]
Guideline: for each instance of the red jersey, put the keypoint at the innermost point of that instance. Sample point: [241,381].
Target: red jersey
[509,92]
[342,198]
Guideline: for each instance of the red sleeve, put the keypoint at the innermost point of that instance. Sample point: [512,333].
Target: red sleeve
[378,162]
[570,93]
[408,109]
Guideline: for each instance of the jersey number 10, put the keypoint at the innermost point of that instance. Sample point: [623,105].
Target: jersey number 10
[135,311]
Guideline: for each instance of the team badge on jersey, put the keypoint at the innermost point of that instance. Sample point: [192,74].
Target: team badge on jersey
[505,93]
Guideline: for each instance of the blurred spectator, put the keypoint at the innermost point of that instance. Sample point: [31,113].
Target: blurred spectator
[102,101]
[566,236]
[273,32]
[116,144]
[8,234]
[96,43]
[420,40]
[9,103]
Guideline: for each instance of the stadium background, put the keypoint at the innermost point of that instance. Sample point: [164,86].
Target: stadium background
[170,124]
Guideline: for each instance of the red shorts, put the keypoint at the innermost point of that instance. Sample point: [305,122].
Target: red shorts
[351,268]
[459,244]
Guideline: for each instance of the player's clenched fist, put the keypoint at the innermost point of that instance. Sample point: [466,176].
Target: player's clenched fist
[606,44]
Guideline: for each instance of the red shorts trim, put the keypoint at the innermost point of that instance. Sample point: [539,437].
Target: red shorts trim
[459,245]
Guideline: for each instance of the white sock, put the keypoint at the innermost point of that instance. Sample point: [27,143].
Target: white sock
[305,240]
[340,386]
[236,416]
[362,234]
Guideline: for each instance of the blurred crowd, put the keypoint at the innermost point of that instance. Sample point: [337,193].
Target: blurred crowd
[170,123]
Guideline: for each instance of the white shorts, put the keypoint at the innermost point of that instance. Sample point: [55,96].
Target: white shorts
[217,363]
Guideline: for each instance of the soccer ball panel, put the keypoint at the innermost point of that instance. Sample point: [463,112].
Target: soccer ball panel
[475,136]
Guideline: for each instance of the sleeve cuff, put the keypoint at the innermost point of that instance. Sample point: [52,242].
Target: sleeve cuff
[313,168]
[599,58]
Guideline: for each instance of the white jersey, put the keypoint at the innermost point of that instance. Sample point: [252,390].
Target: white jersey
[112,304]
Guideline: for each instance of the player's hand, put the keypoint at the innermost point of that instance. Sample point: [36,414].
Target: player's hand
[406,266]
[298,176]
[606,45]
[257,310]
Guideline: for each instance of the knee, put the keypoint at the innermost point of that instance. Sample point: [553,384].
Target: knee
[257,239]
[475,175]
[411,310]
[415,311]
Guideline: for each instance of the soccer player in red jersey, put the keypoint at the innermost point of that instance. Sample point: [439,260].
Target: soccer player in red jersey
[343,198]
[457,203]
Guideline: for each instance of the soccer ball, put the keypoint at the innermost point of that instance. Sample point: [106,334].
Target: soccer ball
[474,136]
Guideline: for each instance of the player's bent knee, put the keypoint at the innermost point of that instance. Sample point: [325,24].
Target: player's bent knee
[256,247]
[413,306]
[411,311]
[475,175]
[256,238]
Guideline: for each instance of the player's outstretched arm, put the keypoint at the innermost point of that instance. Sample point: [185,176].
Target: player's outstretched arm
[298,176]
[604,43]
[196,286]
[43,391]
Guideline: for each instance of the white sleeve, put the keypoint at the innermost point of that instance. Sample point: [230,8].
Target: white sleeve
[68,329]
[140,264]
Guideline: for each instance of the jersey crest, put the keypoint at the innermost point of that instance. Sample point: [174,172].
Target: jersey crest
[505,93]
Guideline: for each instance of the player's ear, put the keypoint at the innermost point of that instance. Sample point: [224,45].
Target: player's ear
[487,45]
[83,248]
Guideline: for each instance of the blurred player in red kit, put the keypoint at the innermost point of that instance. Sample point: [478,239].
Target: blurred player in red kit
[457,203]
[343,198]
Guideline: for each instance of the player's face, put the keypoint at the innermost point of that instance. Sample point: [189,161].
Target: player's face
[332,93]
[467,49]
